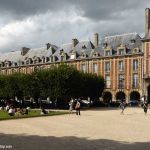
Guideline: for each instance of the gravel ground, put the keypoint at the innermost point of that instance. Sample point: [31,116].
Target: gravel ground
[97,129]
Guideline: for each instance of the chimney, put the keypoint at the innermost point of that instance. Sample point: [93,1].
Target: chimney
[24,50]
[147,20]
[48,45]
[96,40]
[74,42]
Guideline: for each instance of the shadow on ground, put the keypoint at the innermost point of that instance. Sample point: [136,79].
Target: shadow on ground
[26,142]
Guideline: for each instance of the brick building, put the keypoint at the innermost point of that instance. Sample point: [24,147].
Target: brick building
[123,61]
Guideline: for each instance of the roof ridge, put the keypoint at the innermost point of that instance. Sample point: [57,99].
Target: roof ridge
[121,35]
[66,44]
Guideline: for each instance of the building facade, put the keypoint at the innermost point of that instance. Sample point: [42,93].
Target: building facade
[123,61]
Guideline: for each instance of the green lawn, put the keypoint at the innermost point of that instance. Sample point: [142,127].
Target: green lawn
[32,113]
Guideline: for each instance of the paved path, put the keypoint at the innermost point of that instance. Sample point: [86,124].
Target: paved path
[99,129]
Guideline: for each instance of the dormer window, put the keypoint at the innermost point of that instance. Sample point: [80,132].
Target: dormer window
[14,64]
[61,51]
[136,50]
[84,55]
[51,58]
[46,59]
[2,64]
[73,56]
[7,64]
[35,61]
[105,45]
[43,59]
[29,61]
[121,51]
[133,41]
[20,63]
[61,58]
[96,55]
[107,53]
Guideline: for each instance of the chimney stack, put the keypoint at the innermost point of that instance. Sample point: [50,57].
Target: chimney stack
[48,45]
[147,21]
[24,50]
[96,40]
[74,42]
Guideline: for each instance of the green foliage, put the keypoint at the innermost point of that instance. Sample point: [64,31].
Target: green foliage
[62,82]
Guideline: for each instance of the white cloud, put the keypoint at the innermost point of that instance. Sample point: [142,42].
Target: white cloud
[39,29]
[59,24]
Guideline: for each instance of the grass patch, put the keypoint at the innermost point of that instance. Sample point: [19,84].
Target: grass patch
[32,113]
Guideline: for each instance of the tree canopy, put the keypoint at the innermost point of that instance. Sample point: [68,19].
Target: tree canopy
[61,82]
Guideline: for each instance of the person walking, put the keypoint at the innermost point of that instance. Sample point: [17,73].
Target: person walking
[122,106]
[77,108]
[145,108]
[71,105]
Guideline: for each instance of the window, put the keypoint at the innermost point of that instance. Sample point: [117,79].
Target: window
[136,50]
[35,61]
[121,66]
[84,68]
[121,81]
[107,66]
[44,60]
[135,64]
[94,68]
[107,53]
[135,80]
[27,62]
[61,58]
[72,56]
[7,64]
[107,81]
[121,51]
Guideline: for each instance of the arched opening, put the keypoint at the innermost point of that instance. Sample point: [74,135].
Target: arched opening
[107,97]
[148,92]
[134,96]
[120,96]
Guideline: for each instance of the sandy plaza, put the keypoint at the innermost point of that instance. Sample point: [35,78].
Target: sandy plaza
[97,129]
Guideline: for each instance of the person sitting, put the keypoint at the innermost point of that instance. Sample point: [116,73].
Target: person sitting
[26,111]
[7,107]
[43,111]
[11,111]
[1,108]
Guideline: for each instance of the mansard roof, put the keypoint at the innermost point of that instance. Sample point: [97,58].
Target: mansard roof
[14,56]
[146,37]
[130,40]
[83,48]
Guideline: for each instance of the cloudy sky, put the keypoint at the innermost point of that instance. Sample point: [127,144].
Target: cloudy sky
[33,23]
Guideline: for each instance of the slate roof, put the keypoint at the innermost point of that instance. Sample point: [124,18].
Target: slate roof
[14,56]
[130,40]
[124,39]
[146,37]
